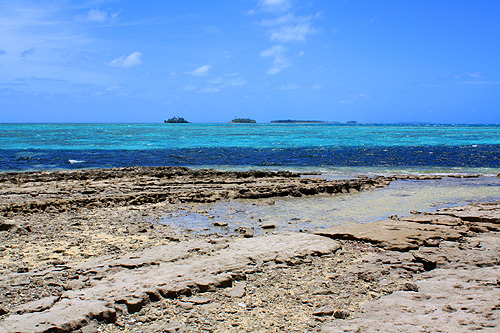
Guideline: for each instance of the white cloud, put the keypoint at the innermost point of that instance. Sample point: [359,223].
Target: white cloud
[290,28]
[132,60]
[97,15]
[291,86]
[189,87]
[274,5]
[113,88]
[296,33]
[283,19]
[472,76]
[468,74]
[354,98]
[280,61]
[289,18]
[218,80]
[223,82]
[200,71]
[480,82]
[284,27]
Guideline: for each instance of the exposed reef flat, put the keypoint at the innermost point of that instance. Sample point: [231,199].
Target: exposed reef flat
[84,251]
[60,191]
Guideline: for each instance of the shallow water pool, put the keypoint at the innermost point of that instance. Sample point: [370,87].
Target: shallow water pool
[308,213]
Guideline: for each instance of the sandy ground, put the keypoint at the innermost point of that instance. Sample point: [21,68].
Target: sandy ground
[85,251]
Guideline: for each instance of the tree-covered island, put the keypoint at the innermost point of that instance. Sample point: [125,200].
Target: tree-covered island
[242,121]
[289,121]
[176,120]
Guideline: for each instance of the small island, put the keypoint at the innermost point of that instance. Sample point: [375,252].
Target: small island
[288,121]
[242,121]
[176,120]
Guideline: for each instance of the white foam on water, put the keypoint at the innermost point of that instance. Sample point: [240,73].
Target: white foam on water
[75,161]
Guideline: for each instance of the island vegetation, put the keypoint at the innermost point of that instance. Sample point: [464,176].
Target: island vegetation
[176,120]
[289,121]
[242,121]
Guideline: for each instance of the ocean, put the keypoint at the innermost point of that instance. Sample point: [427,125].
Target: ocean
[313,147]
[336,151]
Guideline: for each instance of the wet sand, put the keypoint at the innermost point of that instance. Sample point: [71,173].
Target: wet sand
[89,250]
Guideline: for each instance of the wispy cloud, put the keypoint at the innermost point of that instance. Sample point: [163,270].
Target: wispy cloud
[47,30]
[113,87]
[189,87]
[131,60]
[290,28]
[97,15]
[200,71]
[480,82]
[223,82]
[28,52]
[291,86]
[471,77]
[468,75]
[284,27]
[280,61]
[274,5]
[351,98]
[295,33]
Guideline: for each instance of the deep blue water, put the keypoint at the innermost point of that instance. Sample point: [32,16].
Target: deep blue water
[68,146]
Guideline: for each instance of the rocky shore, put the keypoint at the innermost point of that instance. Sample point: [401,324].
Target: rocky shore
[85,251]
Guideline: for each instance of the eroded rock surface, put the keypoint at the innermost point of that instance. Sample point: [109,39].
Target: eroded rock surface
[83,251]
[457,286]
[165,272]
[59,191]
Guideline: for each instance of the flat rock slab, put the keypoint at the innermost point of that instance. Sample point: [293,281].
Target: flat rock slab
[70,190]
[394,234]
[166,271]
[479,212]
[438,306]
[455,298]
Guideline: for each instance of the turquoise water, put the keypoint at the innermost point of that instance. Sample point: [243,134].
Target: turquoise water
[182,136]
[419,147]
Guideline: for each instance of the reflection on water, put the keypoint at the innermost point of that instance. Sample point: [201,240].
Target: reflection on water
[309,213]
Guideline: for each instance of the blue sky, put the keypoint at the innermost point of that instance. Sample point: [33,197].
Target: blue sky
[210,61]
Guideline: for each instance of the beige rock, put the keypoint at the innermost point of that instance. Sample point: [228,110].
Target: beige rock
[393,234]
[176,270]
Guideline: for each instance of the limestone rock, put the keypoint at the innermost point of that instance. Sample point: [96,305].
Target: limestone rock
[3,311]
[341,314]
[324,311]
[393,235]
[177,271]
[238,290]
[197,300]
[37,306]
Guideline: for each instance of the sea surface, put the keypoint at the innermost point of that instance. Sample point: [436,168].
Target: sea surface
[335,151]
[328,148]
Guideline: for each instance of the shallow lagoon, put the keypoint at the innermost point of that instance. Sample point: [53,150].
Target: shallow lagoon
[308,213]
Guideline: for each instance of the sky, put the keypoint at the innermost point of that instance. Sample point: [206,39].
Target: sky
[382,61]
